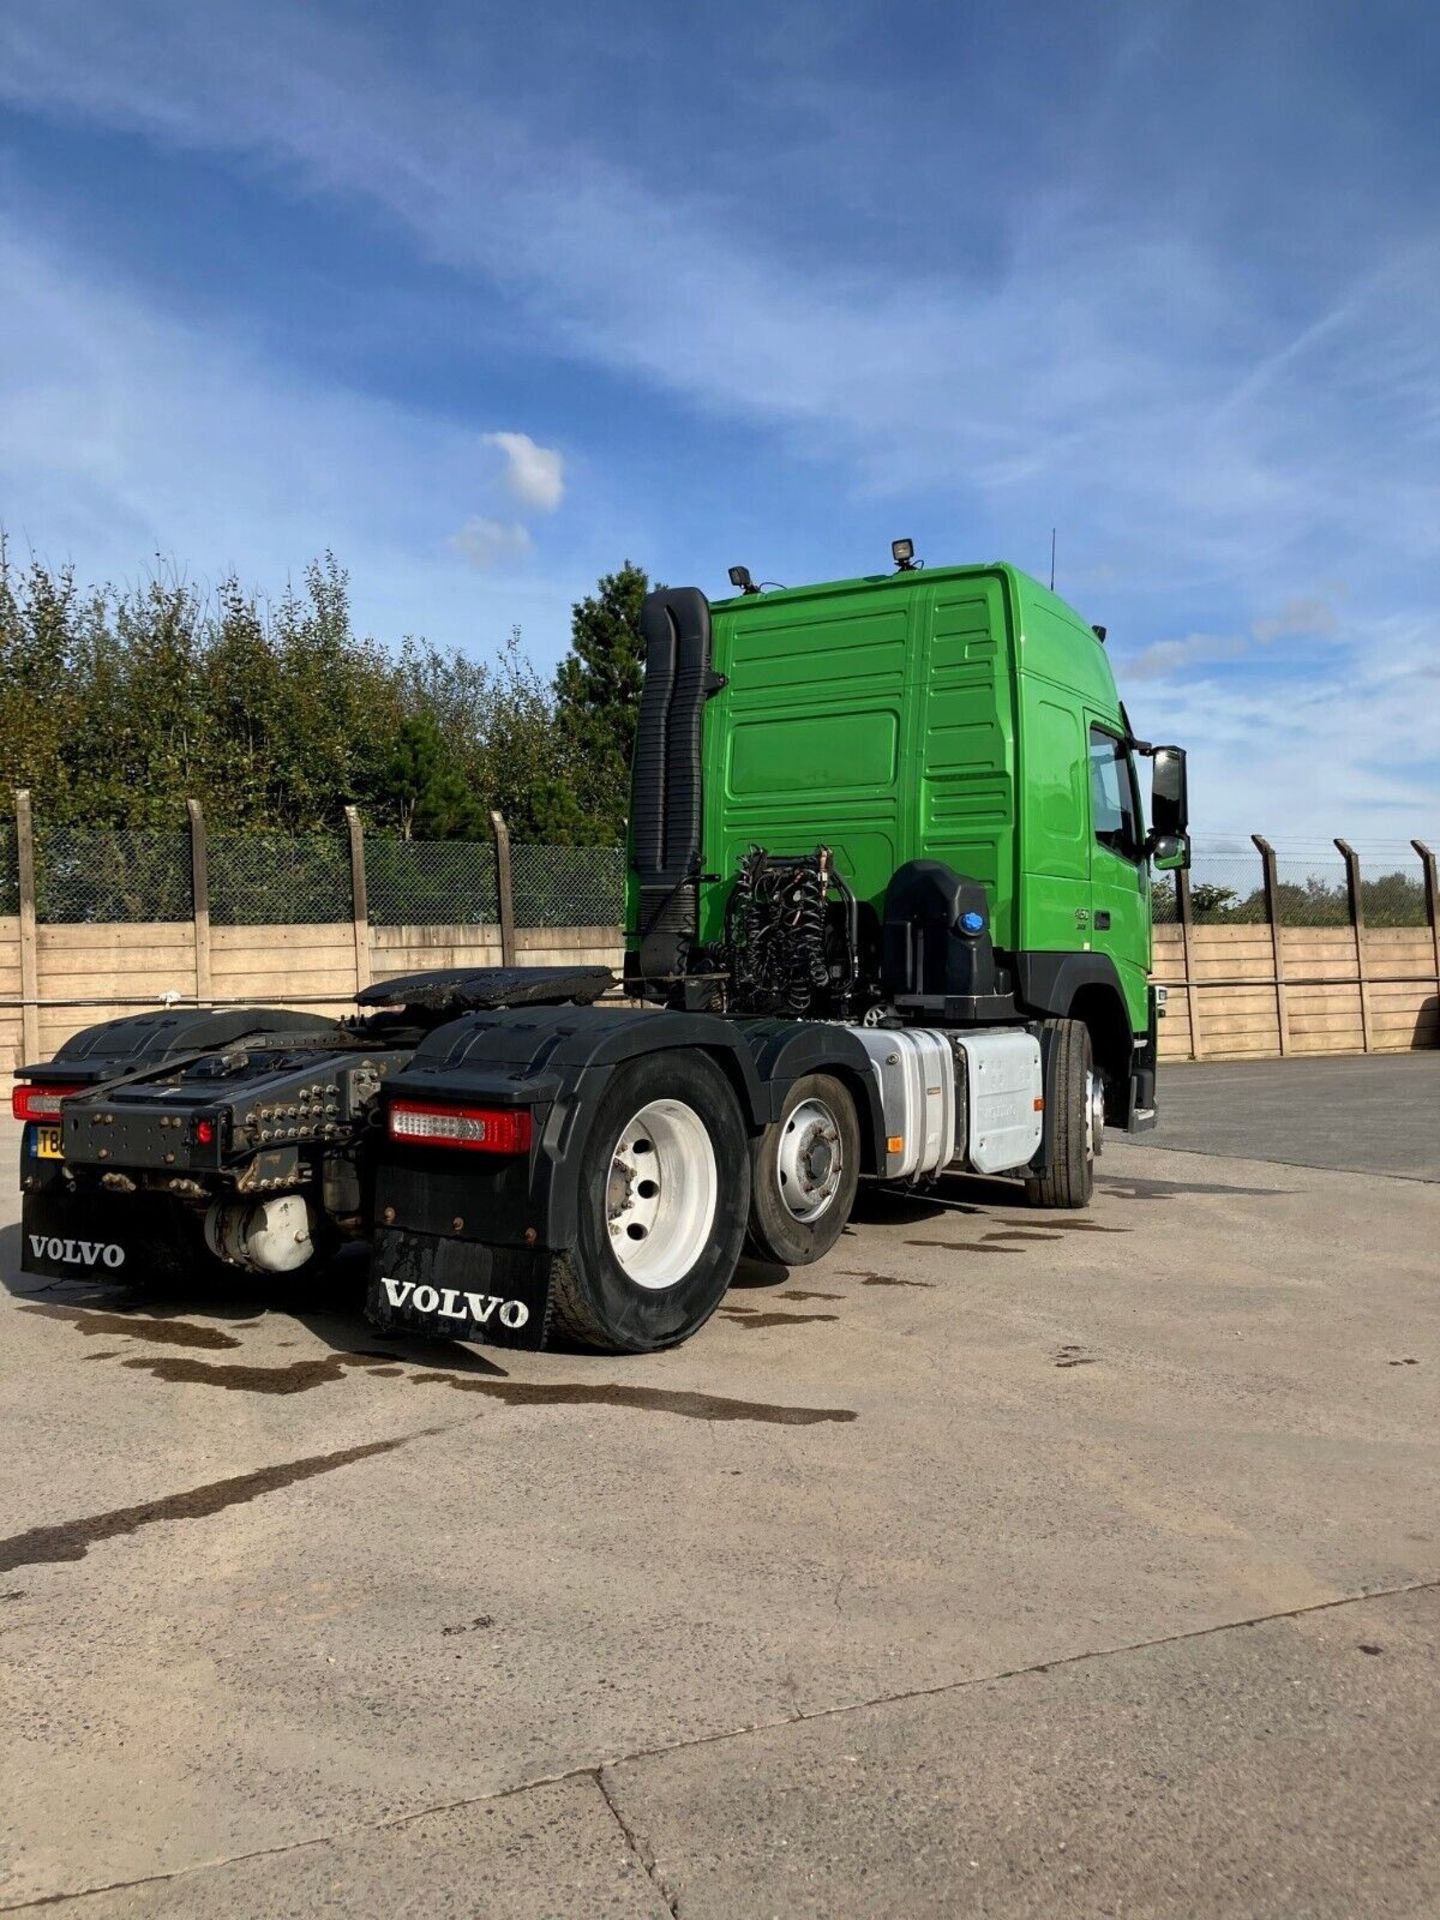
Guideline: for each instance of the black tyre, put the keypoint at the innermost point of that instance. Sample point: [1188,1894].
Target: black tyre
[804,1169]
[1077,1123]
[664,1195]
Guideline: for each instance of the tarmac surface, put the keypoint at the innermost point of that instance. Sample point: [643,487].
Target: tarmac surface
[1379,1114]
[1003,1563]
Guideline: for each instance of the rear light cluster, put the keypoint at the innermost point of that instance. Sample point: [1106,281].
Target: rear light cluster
[38,1103]
[476,1129]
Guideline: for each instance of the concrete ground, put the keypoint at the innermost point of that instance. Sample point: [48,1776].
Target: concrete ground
[1002,1564]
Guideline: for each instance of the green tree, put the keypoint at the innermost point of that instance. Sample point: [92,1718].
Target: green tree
[597,690]
[1393,900]
[118,705]
[430,795]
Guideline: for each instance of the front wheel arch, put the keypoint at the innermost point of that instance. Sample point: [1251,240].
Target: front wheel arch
[1102,1011]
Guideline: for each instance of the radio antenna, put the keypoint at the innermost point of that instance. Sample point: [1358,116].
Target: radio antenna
[1052,559]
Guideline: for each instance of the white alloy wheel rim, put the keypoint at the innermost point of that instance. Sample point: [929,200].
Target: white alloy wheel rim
[661,1193]
[1094,1115]
[811,1160]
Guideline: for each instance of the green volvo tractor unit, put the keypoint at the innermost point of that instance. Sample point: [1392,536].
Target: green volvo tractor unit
[888,918]
[909,797]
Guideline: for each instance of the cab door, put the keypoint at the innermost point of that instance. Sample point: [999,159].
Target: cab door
[1119,870]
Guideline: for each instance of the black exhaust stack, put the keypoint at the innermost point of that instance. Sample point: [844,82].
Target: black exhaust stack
[666,790]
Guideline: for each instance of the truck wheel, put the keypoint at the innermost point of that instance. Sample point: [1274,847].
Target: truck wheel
[1077,1123]
[664,1194]
[804,1169]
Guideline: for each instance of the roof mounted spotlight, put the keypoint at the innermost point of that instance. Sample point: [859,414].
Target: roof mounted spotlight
[902,552]
[740,577]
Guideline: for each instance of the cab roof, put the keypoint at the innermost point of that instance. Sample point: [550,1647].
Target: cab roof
[1027,589]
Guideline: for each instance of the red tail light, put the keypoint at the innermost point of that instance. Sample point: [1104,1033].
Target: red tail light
[38,1103]
[477,1129]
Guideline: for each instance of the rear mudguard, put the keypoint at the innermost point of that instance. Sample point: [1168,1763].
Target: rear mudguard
[454,1225]
[103,1236]
[465,1244]
[556,1061]
[453,1289]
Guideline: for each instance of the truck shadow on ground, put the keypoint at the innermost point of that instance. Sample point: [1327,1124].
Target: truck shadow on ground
[186,1331]
[211,1313]
[329,1306]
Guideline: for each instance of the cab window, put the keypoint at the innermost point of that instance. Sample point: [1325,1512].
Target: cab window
[1113,811]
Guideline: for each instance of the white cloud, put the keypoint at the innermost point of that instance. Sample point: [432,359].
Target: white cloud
[489,544]
[535,475]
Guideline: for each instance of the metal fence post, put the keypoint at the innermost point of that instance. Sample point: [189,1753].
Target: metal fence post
[1432,900]
[505,887]
[359,898]
[29,963]
[1357,928]
[200,900]
[1185,914]
[1277,951]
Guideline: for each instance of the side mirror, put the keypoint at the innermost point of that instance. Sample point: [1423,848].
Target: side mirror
[1170,852]
[1169,794]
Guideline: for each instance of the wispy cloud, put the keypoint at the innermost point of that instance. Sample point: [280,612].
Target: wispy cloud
[488,544]
[1301,616]
[1345,746]
[1165,657]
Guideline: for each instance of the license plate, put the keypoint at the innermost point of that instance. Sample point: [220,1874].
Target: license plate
[45,1144]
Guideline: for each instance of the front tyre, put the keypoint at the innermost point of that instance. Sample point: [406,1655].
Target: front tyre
[804,1169]
[664,1194]
[1077,1122]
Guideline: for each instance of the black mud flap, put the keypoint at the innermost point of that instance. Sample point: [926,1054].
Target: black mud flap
[72,1236]
[459,1290]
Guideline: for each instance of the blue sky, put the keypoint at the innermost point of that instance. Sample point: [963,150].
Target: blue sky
[487,298]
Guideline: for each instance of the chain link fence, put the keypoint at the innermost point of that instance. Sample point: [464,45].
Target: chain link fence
[89,874]
[568,886]
[1227,888]
[1311,890]
[448,883]
[1392,891]
[9,870]
[278,879]
[85,874]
